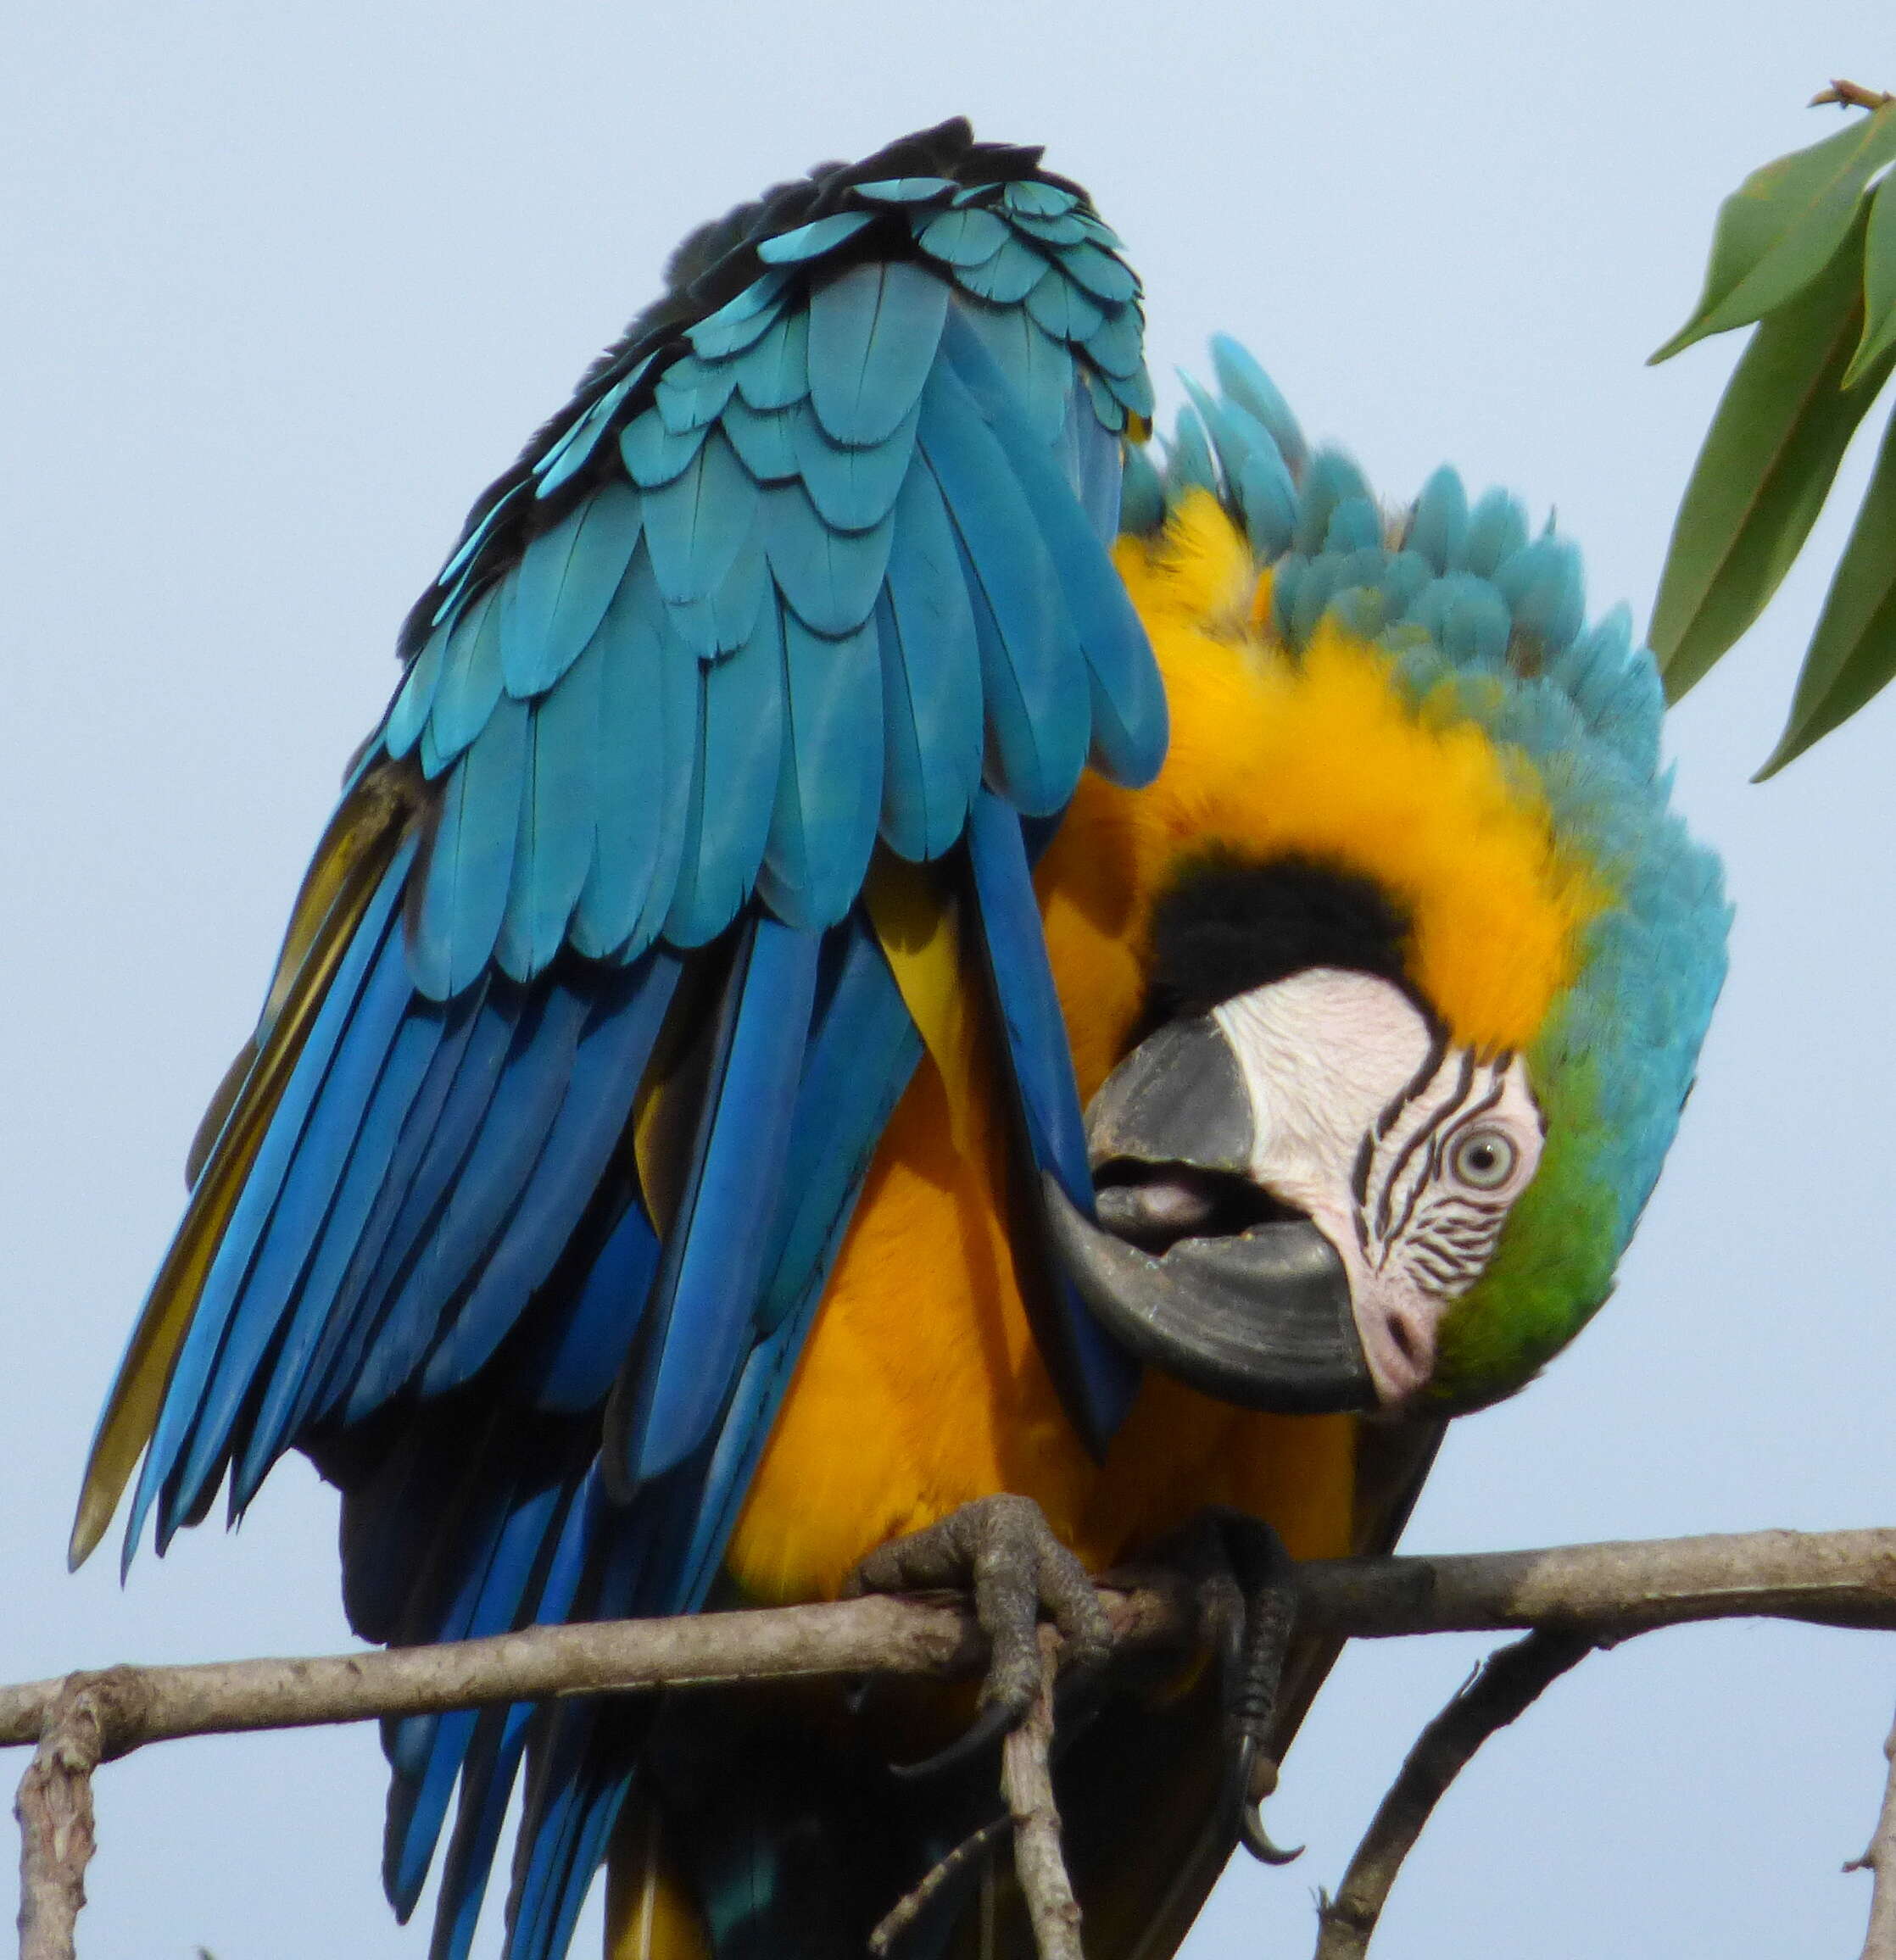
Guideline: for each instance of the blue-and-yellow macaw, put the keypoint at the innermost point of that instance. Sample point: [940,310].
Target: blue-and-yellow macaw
[658,1178]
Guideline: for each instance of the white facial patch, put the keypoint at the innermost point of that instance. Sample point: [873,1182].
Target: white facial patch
[1407,1153]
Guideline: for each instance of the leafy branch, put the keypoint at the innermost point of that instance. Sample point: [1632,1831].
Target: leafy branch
[1804,249]
[1570,1598]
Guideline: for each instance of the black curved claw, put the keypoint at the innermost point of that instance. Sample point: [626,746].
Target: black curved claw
[995,1721]
[1241,1778]
[1002,1550]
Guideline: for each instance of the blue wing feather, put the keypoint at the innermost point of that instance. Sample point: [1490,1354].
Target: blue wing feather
[872,341]
[831,569]
[741,731]
[552,602]
[700,1323]
[1098,1379]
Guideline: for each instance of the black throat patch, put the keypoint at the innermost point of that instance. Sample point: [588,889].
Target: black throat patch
[1229,924]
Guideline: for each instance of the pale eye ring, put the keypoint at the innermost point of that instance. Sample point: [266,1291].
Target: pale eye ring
[1484,1157]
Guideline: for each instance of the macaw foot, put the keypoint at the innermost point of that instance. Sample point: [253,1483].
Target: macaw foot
[1003,1551]
[1239,1567]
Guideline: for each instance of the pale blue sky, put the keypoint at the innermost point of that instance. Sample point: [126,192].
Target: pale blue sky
[286,285]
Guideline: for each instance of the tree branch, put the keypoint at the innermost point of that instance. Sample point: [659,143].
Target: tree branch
[1027,1783]
[1879,1942]
[1844,1579]
[1503,1686]
[1588,1594]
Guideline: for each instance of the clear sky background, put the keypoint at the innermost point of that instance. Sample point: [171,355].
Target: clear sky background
[282,287]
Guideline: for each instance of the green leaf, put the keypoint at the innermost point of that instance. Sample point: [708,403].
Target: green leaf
[1879,281]
[1853,652]
[1783,225]
[1767,464]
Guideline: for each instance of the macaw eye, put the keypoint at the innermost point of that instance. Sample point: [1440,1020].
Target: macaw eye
[1484,1157]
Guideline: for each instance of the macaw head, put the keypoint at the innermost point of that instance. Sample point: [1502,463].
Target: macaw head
[1425,958]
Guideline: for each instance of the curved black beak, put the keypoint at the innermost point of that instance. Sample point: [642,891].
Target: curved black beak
[1260,1316]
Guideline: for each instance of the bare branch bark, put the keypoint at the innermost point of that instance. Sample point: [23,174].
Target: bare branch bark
[55,1808]
[1027,1783]
[907,1909]
[1503,1686]
[1879,1940]
[1835,1578]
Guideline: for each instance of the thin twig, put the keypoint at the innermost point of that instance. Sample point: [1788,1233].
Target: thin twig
[1834,1579]
[1502,1688]
[1879,1942]
[907,1909]
[1027,1783]
[55,1808]
[1851,95]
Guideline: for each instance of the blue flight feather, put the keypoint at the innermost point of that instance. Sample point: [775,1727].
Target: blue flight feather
[739,321]
[696,525]
[261,1255]
[691,392]
[968,237]
[1129,717]
[741,732]
[871,340]
[574,450]
[1037,199]
[652,453]
[699,1323]
[609,1062]
[1034,678]
[905,190]
[811,241]
[1097,1378]
[560,794]
[498,1162]
[1061,310]
[830,577]
[722,621]
[1008,277]
[829,787]
[585,1352]
[408,715]
[1116,346]
[649,730]
[775,371]
[470,684]
[932,696]
[1058,228]
[435,1038]
[477,535]
[1102,274]
[198,1356]
[853,488]
[470,858]
[765,439]
[1038,368]
[631,785]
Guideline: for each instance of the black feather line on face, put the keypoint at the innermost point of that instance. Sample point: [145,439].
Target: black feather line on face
[1229,924]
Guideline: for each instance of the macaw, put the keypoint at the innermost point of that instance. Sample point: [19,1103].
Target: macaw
[838,998]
